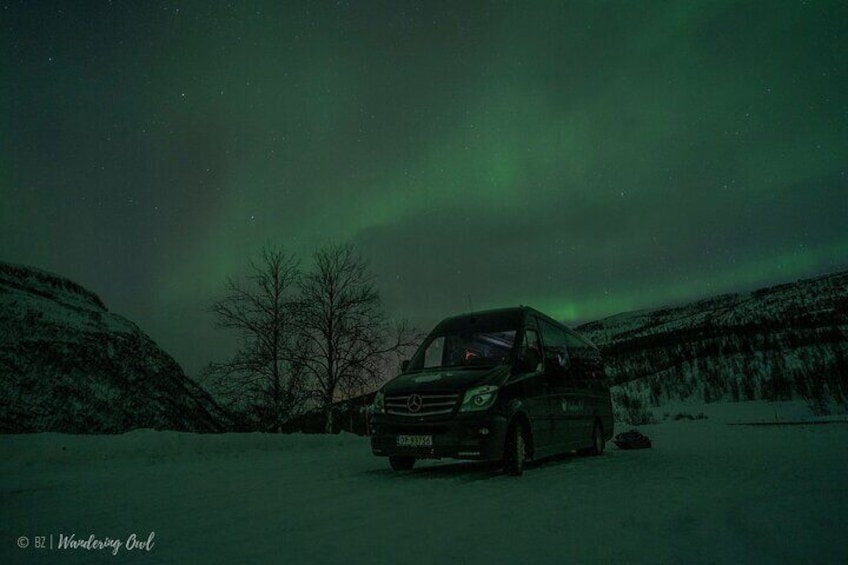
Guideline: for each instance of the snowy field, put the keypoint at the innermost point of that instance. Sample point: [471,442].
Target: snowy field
[708,492]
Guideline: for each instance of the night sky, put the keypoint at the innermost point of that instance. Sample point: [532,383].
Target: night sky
[584,158]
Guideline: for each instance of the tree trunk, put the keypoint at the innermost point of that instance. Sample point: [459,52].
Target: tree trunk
[328,419]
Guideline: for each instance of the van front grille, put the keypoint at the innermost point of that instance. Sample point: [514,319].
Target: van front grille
[414,404]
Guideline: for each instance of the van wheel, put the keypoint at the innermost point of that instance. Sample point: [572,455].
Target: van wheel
[598,442]
[401,462]
[515,451]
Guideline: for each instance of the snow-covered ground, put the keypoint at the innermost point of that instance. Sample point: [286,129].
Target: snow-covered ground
[707,492]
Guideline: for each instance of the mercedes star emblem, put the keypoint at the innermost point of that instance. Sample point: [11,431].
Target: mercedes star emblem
[414,403]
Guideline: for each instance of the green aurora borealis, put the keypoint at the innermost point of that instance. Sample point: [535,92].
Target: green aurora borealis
[582,157]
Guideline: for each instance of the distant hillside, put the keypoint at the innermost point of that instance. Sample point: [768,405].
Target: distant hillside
[777,343]
[69,365]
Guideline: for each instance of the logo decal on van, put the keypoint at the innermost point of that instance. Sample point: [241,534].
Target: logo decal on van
[572,406]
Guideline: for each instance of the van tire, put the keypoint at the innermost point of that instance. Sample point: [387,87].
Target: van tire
[515,450]
[598,441]
[401,462]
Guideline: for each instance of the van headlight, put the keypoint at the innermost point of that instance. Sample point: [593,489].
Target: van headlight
[379,405]
[479,398]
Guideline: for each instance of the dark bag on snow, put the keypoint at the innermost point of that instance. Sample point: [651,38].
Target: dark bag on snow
[634,439]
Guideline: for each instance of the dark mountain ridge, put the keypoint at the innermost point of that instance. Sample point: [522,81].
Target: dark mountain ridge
[67,364]
[777,343]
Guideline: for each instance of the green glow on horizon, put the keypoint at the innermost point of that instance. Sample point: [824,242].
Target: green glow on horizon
[786,267]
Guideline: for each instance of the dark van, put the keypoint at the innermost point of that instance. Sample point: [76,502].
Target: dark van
[501,385]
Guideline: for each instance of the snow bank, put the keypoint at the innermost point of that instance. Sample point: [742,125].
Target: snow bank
[753,411]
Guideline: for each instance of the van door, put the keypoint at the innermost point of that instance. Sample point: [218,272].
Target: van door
[532,386]
[587,369]
[570,409]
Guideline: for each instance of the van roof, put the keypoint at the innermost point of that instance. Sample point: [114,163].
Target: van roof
[488,318]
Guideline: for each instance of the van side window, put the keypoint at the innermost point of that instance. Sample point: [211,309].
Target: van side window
[531,351]
[555,342]
[587,355]
[580,348]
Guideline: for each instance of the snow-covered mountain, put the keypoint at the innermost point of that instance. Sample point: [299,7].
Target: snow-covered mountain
[777,343]
[68,364]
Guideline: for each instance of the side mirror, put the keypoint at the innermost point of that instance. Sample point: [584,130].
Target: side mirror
[403,365]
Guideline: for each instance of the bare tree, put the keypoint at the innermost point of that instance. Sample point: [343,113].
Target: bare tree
[345,339]
[262,382]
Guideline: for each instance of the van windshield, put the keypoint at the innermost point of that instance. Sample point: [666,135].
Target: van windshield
[477,348]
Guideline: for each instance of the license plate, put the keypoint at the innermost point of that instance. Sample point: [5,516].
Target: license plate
[415,441]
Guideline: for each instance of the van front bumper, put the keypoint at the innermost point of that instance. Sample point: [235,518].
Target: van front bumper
[473,436]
